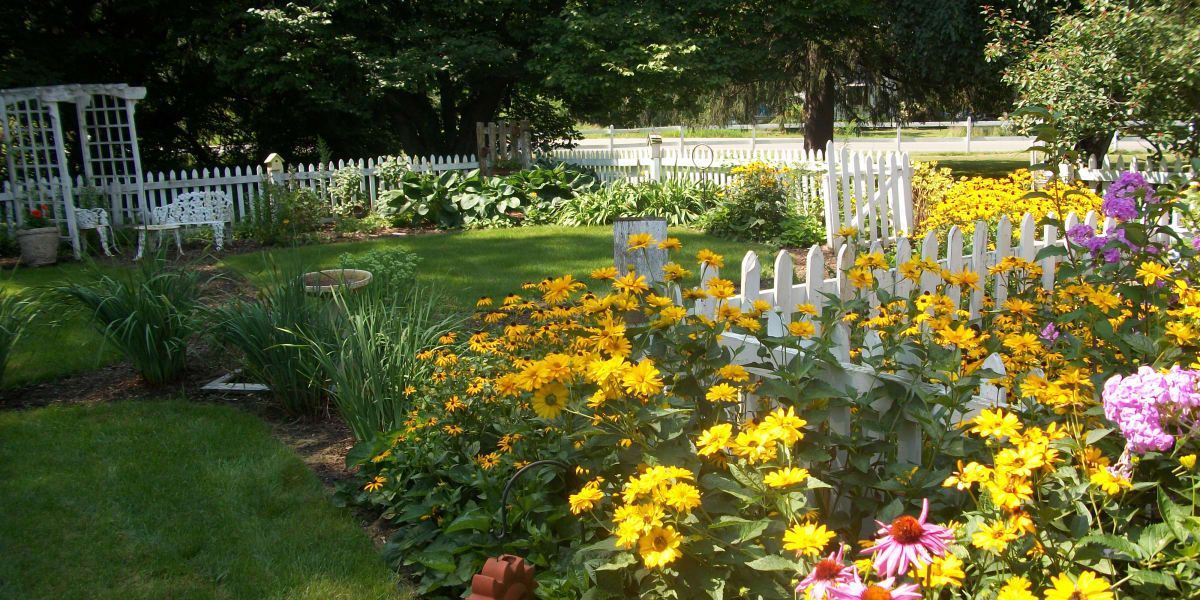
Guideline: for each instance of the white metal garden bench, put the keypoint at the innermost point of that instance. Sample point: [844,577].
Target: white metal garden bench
[214,209]
[95,218]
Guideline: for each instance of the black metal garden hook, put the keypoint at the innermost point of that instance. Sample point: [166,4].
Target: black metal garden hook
[508,486]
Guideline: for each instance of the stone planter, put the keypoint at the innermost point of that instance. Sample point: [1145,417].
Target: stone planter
[340,280]
[38,246]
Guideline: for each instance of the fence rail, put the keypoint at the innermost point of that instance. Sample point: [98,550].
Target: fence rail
[241,184]
[817,285]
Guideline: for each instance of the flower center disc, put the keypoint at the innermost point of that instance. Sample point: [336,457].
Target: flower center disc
[660,543]
[906,530]
[828,569]
[876,593]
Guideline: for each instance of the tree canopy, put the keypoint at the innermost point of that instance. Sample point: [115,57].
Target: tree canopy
[1129,64]
[231,80]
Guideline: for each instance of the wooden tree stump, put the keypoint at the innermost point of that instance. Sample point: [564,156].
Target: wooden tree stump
[647,261]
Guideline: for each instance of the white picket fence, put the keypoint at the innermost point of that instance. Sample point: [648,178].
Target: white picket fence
[869,191]
[242,184]
[818,284]
[1099,174]
[698,163]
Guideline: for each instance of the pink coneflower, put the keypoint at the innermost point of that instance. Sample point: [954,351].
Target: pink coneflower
[826,574]
[884,590]
[907,541]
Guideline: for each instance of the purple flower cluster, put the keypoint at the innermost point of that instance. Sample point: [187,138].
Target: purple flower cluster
[1120,201]
[1145,403]
[1083,235]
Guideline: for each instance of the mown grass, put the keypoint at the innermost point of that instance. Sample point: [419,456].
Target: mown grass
[169,499]
[462,265]
[494,262]
[991,164]
[62,340]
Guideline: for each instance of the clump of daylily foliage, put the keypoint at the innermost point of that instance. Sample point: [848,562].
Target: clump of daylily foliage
[683,474]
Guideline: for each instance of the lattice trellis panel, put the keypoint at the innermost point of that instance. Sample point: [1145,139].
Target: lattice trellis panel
[38,167]
[111,158]
[37,160]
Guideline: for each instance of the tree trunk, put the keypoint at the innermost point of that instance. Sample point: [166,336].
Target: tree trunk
[1095,145]
[818,103]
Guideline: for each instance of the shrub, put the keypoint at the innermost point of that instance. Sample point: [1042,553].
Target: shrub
[680,202]
[929,187]
[389,267]
[452,199]
[282,213]
[803,231]
[16,313]
[370,224]
[147,313]
[271,336]
[755,207]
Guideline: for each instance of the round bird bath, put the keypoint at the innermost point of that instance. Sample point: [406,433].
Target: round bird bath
[323,283]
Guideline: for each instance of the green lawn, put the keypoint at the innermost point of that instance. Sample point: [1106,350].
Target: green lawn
[61,341]
[990,164]
[495,262]
[462,265]
[170,499]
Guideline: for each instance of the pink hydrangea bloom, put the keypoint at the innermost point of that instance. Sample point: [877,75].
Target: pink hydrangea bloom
[827,574]
[884,589]
[1144,404]
[907,541]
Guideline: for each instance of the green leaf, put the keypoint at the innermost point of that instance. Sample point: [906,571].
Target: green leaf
[474,520]
[817,484]
[1096,435]
[1152,577]
[618,562]
[1173,515]
[1153,539]
[1050,251]
[773,562]
[1114,543]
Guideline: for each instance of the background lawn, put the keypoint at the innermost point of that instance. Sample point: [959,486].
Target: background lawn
[62,340]
[495,262]
[168,499]
[462,265]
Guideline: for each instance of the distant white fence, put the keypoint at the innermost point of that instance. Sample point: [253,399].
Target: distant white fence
[869,191]
[678,133]
[1099,174]
[242,184]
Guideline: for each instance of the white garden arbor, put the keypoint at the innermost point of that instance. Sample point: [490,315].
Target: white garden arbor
[37,151]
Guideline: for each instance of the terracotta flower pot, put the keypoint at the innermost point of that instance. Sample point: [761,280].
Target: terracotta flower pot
[38,246]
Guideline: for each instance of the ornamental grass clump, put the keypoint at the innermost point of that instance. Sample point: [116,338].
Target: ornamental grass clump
[270,334]
[372,358]
[147,313]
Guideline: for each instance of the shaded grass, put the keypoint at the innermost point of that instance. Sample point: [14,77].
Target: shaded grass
[495,262]
[167,499]
[62,340]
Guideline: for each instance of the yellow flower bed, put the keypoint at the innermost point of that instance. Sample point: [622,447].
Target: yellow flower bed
[983,198]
